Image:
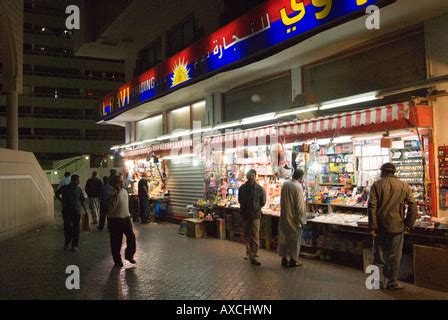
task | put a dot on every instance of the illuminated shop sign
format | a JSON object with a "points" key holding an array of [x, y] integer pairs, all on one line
{"points": [[272, 27]]}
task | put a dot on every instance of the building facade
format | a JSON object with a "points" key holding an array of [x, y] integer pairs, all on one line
{"points": [[307, 56], [57, 107]]}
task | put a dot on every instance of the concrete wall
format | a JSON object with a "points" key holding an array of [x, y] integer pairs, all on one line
{"points": [[26, 196], [437, 52]]}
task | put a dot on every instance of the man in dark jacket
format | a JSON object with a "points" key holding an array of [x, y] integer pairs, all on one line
{"points": [[72, 199], [93, 190], [388, 221], [252, 199]]}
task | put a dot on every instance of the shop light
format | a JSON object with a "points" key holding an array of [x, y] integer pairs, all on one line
{"points": [[200, 130], [343, 139], [260, 118], [111, 157], [115, 148], [227, 125], [295, 111], [55, 173], [348, 101], [323, 142], [181, 156], [180, 110], [87, 157]]}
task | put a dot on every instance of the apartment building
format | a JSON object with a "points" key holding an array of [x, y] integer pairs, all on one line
{"points": [[58, 106]]}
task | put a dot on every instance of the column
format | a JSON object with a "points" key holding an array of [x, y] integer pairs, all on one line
{"points": [[12, 114]]}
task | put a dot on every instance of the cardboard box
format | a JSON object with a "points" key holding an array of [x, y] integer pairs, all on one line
{"points": [[431, 268], [195, 228]]}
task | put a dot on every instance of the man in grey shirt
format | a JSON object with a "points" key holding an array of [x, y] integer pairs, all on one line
{"points": [[72, 198]]}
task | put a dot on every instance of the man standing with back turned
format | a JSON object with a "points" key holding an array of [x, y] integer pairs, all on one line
{"points": [[292, 220], [252, 199], [72, 199], [388, 221], [93, 190]]}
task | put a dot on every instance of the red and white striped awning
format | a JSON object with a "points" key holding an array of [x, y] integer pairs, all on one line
{"points": [[166, 146], [386, 114], [242, 138]]}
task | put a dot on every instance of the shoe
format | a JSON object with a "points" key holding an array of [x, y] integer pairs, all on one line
{"points": [[395, 286], [66, 247], [95, 222], [293, 264], [248, 258], [285, 262], [255, 262], [75, 249], [118, 264], [131, 261]]}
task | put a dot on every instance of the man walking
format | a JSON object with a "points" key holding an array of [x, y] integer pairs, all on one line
{"points": [[105, 190], [388, 221], [72, 198], [252, 199], [93, 190], [292, 220], [119, 221], [143, 198]]}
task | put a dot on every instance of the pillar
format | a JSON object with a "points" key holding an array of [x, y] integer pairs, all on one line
{"points": [[12, 115]]}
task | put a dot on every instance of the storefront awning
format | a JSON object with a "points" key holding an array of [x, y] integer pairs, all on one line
{"points": [[388, 117]]}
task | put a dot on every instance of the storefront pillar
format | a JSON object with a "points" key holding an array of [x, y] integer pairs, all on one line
{"points": [[13, 120]]}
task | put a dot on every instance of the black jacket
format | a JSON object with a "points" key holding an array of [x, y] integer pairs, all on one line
{"points": [[252, 199], [93, 187]]}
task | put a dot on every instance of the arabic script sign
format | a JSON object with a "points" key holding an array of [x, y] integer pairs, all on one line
{"points": [[265, 28]]}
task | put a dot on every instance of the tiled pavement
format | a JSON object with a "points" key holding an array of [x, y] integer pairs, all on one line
{"points": [[171, 266]]}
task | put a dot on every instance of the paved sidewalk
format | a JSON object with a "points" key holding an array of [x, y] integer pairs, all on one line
{"points": [[171, 266]]}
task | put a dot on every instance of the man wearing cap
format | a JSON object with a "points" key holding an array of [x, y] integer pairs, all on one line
{"points": [[388, 221], [252, 199]]}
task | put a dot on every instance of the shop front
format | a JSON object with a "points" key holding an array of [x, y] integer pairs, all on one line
{"points": [[341, 155]]}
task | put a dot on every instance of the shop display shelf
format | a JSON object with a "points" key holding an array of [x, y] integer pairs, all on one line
{"points": [[335, 184]]}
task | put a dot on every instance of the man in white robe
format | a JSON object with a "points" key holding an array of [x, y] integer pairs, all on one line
{"points": [[292, 220]]}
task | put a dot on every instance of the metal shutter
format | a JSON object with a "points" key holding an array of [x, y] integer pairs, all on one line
{"points": [[185, 183]]}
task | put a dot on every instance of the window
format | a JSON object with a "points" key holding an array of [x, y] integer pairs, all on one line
{"points": [[181, 36], [68, 113], [264, 96], [381, 64], [59, 134], [105, 135], [179, 119], [149, 128], [149, 56], [198, 110]]}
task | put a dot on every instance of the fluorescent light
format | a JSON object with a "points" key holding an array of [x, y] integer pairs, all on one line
{"points": [[348, 101], [180, 110], [296, 111], [323, 142], [199, 104], [165, 137], [343, 139], [115, 148], [148, 141], [260, 118], [227, 125], [180, 156], [200, 130]]}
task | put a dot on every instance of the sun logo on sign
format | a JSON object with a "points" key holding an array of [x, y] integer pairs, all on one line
{"points": [[180, 73]]}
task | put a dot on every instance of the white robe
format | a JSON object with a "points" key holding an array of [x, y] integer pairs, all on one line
{"points": [[292, 218]]}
